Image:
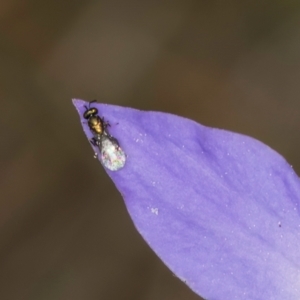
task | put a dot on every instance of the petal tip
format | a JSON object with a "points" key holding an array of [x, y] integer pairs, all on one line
{"points": [[77, 102]]}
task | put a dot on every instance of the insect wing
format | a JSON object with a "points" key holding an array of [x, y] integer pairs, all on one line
{"points": [[111, 154]]}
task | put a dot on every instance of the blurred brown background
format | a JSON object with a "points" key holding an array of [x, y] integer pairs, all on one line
{"points": [[64, 230]]}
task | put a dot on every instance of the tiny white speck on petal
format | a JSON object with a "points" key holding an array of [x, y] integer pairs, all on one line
{"points": [[154, 211]]}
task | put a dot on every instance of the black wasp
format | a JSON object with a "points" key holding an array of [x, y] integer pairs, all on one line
{"points": [[111, 154]]}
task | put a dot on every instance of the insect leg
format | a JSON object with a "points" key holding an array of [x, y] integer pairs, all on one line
{"points": [[94, 142]]}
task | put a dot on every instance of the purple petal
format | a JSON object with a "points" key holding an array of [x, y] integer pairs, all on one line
{"points": [[219, 208]]}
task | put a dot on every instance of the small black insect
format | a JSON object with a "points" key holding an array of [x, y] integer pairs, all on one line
{"points": [[111, 154], [96, 124]]}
